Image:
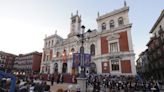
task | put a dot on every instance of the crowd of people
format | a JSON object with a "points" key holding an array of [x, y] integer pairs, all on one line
{"points": [[98, 83], [121, 83]]}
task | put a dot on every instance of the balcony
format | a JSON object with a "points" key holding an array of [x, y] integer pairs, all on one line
{"points": [[120, 54], [162, 38], [159, 53], [156, 43]]}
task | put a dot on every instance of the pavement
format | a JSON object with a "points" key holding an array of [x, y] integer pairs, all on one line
{"points": [[65, 86], [56, 86]]}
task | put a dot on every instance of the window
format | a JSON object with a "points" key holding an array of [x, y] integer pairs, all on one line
{"points": [[57, 54], [72, 50], [115, 65], [111, 24], [49, 43], [103, 26], [52, 42], [73, 20], [114, 47], [92, 49], [120, 21], [46, 44], [162, 37]]}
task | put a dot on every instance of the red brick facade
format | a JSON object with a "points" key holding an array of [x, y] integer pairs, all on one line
{"points": [[126, 66], [36, 62], [123, 40], [104, 45]]}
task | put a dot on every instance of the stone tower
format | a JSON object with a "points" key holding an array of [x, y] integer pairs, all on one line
{"points": [[75, 25]]}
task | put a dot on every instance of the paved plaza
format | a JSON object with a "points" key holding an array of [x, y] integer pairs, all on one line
{"points": [[65, 86]]}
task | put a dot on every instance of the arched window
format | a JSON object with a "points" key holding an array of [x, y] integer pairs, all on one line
{"points": [[46, 44], [92, 50], [81, 49], [49, 43], [120, 21], [103, 26], [111, 24], [52, 42], [72, 50]]}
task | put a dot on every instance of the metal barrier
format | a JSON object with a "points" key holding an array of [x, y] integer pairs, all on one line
{"points": [[6, 80]]}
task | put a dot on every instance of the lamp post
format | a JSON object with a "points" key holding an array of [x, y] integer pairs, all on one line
{"points": [[82, 72], [81, 80]]}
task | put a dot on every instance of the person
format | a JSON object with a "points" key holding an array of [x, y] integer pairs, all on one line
{"points": [[61, 78], [73, 79], [47, 88], [32, 86], [52, 80]]}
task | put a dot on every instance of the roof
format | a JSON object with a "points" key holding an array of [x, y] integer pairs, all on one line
{"points": [[52, 36], [31, 53], [125, 8], [157, 22], [5, 53]]}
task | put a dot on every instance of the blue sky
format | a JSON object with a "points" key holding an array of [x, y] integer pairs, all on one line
{"points": [[24, 23]]}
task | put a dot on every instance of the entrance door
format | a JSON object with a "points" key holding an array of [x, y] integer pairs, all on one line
{"points": [[93, 68], [64, 69], [55, 68]]}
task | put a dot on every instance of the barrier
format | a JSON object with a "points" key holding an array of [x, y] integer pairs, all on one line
{"points": [[7, 82]]}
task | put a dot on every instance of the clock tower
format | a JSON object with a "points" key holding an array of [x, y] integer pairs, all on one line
{"points": [[75, 25]]}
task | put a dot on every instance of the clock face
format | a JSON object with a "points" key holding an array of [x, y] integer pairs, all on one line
{"points": [[73, 20]]}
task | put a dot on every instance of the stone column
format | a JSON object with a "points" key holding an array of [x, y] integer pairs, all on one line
{"points": [[82, 83]]}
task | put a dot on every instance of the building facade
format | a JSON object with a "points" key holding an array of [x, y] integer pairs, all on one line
{"points": [[28, 63], [143, 65], [110, 46], [6, 61], [156, 49]]}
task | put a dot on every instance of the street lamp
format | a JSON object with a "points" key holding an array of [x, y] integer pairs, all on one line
{"points": [[82, 72]]}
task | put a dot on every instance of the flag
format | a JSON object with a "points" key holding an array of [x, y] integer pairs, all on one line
{"points": [[87, 59], [76, 59]]}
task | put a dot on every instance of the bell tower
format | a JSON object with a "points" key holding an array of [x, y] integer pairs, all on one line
{"points": [[75, 25]]}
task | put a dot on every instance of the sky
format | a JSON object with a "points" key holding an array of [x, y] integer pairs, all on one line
{"points": [[24, 23]]}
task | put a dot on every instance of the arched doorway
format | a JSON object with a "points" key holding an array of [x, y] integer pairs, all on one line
{"points": [[93, 68], [55, 68], [64, 69]]}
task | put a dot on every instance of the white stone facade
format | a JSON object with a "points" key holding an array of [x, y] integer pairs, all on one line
{"points": [[110, 44]]}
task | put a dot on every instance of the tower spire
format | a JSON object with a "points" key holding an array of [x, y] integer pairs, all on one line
{"points": [[77, 12], [98, 14], [55, 32], [124, 3]]}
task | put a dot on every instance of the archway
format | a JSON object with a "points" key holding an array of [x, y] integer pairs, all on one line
{"points": [[64, 69], [55, 68], [93, 68]]}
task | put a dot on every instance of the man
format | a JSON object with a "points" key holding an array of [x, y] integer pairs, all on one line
{"points": [[52, 79]]}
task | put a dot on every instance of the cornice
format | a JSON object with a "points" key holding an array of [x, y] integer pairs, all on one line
{"points": [[115, 30], [157, 22], [113, 13]]}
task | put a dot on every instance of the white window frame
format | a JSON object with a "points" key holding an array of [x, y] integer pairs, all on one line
{"points": [[117, 72], [113, 41]]}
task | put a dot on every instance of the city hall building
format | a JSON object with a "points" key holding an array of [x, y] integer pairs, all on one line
{"points": [[110, 46]]}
